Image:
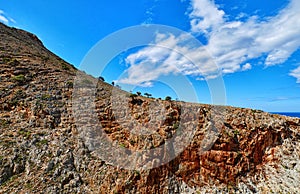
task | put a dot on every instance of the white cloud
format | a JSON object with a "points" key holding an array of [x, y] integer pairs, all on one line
{"points": [[229, 43], [234, 42], [12, 20], [5, 19], [246, 67], [296, 73], [150, 13], [205, 16], [169, 55]]}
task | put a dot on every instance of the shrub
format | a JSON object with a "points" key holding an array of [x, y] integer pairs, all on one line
{"points": [[137, 172], [42, 142], [45, 58], [19, 78], [122, 145], [148, 95], [65, 66], [236, 132], [69, 84], [101, 78], [4, 123], [176, 125], [46, 97], [14, 102], [168, 98], [133, 95], [6, 59], [19, 94], [25, 133], [13, 62]]}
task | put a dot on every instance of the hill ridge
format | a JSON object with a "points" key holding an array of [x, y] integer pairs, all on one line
{"points": [[50, 143]]}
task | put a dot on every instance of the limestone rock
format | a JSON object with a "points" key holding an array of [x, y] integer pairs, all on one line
{"points": [[52, 141]]}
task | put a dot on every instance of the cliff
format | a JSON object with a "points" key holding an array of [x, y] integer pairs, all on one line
{"points": [[55, 138]]}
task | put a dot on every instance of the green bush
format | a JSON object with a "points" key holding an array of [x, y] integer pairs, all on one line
{"points": [[176, 125], [168, 98], [69, 84], [19, 78], [25, 133], [6, 59], [46, 96], [42, 142], [14, 102], [65, 67], [101, 78], [122, 145], [236, 132], [148, 95], [19, 94], [45, 58], [133, 95], [4, 123]]}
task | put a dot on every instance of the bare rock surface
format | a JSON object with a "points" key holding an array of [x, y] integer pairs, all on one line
{"points": [[50, 144]]}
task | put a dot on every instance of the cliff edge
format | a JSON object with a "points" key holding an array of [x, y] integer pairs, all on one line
{"points": [[49, 143]]}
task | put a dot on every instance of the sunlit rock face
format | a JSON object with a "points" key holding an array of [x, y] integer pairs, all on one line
{"points": [[50, 143]]}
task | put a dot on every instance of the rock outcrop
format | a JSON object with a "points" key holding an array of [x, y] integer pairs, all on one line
{"points": [[52, 141]]}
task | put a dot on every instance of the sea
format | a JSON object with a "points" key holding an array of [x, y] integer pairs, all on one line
{"points": [[290, 114]]}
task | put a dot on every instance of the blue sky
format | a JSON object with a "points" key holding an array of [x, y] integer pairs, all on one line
{"points": [[255, 44]]}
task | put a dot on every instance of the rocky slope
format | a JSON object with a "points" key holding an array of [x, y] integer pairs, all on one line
{"points": [[52, 141]]}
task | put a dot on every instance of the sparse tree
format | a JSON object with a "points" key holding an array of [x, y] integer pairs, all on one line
{"points": [[113, 83], [133, 96], [139, 93], [101, 78], [148, 95], [168, 98]]}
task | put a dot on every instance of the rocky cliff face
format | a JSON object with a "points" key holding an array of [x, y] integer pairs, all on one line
{"points": [[50, 143]]}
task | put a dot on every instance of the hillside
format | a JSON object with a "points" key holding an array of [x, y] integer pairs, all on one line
{"points": [[65, 132]]}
